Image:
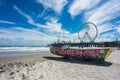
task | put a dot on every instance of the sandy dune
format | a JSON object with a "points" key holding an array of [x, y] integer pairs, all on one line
{"points": [[51, 67]]}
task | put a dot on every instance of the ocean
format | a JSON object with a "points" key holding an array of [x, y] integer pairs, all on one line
{"points": [[21, 51]]}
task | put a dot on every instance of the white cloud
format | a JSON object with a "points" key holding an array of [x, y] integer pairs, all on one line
{"points": [[118, 29], [33, 37], [56, 5], [7, 22], [104, 13], [51, 19], [23, 34], [51, 26], [104, 28], [79, 5], [110, 32], [102, 16], [50, 34], [107, 37], [29, 18], [99, 15]]}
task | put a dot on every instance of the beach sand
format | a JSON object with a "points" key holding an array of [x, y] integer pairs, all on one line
{"points": [[46, 66]]}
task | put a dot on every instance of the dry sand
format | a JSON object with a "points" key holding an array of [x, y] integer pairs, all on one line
{"points": [[51, 67]]}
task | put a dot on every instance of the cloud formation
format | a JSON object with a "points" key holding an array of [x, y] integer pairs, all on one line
{"points": [[7, 22], [56, 5], [19, 34], [102, 17], [80, 5], [44, 26], [52, 26], [108, 11]]}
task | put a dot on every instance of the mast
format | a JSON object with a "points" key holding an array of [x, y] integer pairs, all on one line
{"points": [[63, 35], [58, 38]]}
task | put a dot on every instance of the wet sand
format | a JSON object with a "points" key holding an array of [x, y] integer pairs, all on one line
{"points": [[46, 66]]}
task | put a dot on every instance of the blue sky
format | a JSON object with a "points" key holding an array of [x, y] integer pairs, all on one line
{"points": [[39, 22]]}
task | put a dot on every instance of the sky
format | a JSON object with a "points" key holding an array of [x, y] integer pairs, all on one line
{"points": [[40, 22]]}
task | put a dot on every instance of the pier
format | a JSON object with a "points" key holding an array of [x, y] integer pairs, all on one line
{"points": [[88, 44]]}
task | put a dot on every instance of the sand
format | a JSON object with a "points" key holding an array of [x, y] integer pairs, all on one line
{"points": [[50, 67]]}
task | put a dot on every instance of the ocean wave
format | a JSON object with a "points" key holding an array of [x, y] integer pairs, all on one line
{"points": [[26, 49]]}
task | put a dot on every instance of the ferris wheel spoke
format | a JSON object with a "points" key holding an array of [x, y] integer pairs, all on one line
{"points": [[90, 32]]}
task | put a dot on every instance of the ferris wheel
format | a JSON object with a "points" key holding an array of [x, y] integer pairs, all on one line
{"points": [[87, 32]]}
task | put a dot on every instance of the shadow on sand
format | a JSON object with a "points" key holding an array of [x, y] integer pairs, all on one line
{"points": [[77, 61]]}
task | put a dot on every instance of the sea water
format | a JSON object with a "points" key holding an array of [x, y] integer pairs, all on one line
{"points": [[21, 51]]}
